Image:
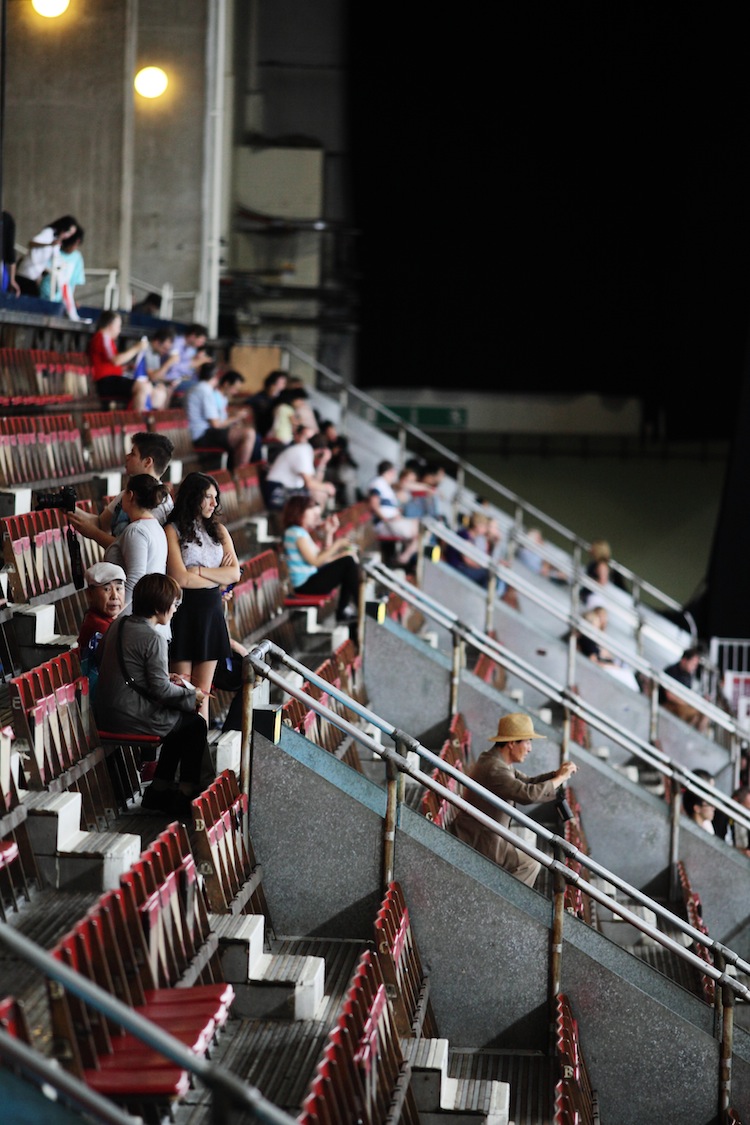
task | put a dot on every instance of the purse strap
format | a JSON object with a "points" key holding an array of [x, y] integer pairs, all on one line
{"points": [[125, 674]]}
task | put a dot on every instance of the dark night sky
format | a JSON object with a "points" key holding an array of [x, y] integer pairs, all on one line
{"points": [[558, 201]]}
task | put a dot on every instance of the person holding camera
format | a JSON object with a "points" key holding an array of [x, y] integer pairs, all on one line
{"points": [[496, 770], [142, 546]]}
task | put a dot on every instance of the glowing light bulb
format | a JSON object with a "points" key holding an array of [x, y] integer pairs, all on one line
{"points": [[50, 8], [151, 82]]}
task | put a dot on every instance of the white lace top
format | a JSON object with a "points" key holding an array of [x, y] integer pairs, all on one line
{"points": [[203, 551]]}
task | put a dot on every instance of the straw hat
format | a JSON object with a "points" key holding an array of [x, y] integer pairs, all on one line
{"points": [[515, 728]]}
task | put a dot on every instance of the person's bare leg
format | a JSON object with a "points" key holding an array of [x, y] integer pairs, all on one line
{"points": [[242, 441], [203, 677]]}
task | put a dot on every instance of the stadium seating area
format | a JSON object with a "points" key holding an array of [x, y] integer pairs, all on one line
{"points": [[314, 932]]}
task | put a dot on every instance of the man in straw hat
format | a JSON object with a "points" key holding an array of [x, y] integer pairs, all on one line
{"points": [[495, 769]]}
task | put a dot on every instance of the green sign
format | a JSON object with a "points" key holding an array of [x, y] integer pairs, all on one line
{"points": [[432, 417]]}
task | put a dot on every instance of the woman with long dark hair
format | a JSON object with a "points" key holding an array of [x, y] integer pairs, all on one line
{"points": [[202, 559]]}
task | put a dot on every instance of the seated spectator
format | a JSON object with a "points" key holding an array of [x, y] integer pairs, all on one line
{"points": [[155, 366], [425, 500], [263, 402], [315, 569], [190, 356], [600, 551], [105, 597], [67, 271], [209, 422], [341, 469], [390, 523], [42, 248], [484, 534], [534, 562], [141, 548], [684, 672], [149, 306], [496, 771], [288, 413], [149, 453], [699, 811], [294, 471], [109, 365], [596, 616], [303, 407], [406, 482], [703, 813], [136, 695], [740, 834]]}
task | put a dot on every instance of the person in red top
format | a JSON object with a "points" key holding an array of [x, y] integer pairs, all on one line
{"points": [[108, 364], [105, 593]]}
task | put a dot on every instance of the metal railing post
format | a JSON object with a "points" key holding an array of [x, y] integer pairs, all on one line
{"points": [[675, 806], [422, 543], [457, 663], [460, 486], [556, 935], [653, 713], [489, 604], [394, 793], [727, 1044], [248, 685]]}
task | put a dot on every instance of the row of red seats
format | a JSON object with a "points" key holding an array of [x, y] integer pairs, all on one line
{"points": [[35, 377], [575, 1101], [139, 943], [455, 752]]}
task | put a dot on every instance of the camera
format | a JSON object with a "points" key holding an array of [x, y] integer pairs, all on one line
{"points": [[564, 810], [65, 498]]}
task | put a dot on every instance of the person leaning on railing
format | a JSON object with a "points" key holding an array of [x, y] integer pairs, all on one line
{"points": [[496, 771]]}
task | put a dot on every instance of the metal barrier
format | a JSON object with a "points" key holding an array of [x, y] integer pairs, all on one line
{"points": [[654, 758], [573, 621], [729, 989], [70, 1090]]}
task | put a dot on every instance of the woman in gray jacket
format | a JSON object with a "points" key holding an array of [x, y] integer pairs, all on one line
{"points": [[137, 695]]}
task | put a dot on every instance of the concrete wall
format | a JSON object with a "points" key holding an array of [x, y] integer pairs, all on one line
{"points": [[483, 936], [64, 130]]}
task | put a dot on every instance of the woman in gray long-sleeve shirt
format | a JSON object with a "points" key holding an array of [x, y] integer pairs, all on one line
{"points": [[136, 695]]}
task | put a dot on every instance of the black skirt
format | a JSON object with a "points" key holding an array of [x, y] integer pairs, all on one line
{"points": [[199, 629]]}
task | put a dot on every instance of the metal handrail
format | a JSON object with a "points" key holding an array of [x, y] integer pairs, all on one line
{"points": [[256, 660], [217, 1078], [73, 1091], [528, 589], [465, 467], [597, 719]]}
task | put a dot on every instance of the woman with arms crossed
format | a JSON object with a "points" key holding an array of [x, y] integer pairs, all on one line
{"points": [[202, 560]]}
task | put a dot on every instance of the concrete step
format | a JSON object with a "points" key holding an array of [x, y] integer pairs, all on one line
{"points": [[53, 820], [282, 986], [471, 1101], [241, 944], [90, 861], [465, 1100]]}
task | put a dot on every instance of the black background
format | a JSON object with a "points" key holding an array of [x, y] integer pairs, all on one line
{"points": [[555, 200]]}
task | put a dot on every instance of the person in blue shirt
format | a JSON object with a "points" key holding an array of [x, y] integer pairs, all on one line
{"points": [[319, 567]]}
